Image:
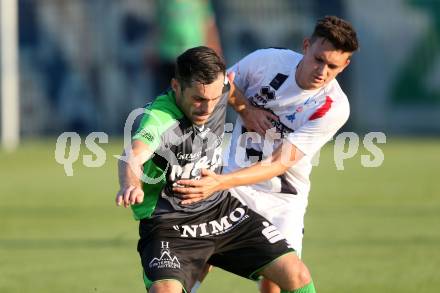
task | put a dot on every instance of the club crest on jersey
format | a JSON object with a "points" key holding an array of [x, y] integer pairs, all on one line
{"points": [[309, 103], [299, 109], [166, 260], [291, 117]]}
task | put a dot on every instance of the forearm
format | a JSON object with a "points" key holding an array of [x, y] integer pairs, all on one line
{"points": [[129, 175], [237, 100], [256, 173], [130, 167], [284, 157]]}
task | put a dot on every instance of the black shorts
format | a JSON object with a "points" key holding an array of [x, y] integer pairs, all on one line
{"points": [[229, 236]]}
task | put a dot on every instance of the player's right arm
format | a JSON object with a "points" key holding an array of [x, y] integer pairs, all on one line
{"points": [[145, 142], [130, 169]]}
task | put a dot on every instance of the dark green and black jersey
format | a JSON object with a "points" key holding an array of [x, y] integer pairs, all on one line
{"points": [[181, 150]]}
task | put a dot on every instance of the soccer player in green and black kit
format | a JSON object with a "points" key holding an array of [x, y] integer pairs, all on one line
{"points": [[181, 133]]}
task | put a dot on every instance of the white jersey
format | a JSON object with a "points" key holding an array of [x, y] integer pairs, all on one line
{"points": [[307, 118]]}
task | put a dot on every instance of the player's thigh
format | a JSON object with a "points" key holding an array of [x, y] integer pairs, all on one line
{"points": [[166, 256], [248, 248], [288, 272], [283, 211]]}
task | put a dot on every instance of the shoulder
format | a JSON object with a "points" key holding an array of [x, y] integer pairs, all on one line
{"points": [[161, 114], [164, 108], [275, 54], [159, 117], [267, 61]]}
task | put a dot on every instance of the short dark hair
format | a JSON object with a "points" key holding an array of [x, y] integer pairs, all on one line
{"points": [[200, 64], [339, 32]]}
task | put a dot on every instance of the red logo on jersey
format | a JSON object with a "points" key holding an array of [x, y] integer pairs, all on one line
{"points": [[321, 111]]}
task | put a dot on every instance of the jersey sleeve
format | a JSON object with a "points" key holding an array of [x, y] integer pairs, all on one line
{"points": [[321, 126], [153, 124]]}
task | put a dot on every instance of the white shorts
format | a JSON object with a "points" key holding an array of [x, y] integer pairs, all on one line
{"points": [[285, 211]]}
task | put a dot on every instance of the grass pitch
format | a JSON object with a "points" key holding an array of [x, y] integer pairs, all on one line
{"points": [[367, 229]]}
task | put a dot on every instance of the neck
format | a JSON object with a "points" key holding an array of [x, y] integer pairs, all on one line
{"points": [[298, 75]]}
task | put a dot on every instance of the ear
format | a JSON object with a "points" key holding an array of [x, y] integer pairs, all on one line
{"points": [[306, 45], [175, 85], [346, 63]]}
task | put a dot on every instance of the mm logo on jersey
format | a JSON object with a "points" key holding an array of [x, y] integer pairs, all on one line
{"points": [[214, 227], [271, 233], [265, 95]]}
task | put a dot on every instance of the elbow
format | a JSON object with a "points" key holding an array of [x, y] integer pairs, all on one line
{"points": [[276, 168], [282, 168]]}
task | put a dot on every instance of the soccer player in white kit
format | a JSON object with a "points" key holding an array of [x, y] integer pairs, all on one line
{"points": [[295, 105]]}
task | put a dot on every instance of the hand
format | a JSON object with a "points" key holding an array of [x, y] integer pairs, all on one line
{"points": [[129, 195], [197, 190], [258, 120]]}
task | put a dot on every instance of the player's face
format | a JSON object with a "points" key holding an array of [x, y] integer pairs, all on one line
{"points": [[198, 101], [321, 64]]}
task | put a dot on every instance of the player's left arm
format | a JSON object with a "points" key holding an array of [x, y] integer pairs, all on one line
{"points": [[236, 98], [254, 119]]}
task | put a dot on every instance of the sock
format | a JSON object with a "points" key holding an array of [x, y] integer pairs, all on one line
{"points": [[309, 288], [195, 287]]}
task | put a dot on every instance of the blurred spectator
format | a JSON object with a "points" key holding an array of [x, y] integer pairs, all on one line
{"points": [[182, 24], [418, 82], [77, 109], [110, 43]]}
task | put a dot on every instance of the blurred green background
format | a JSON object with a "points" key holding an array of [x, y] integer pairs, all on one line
{"points": [[367, 229]]}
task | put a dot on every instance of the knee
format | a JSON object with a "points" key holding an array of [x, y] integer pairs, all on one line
{"points": [[300, 277], [166, 286], [289, 273], [303, 276]]}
